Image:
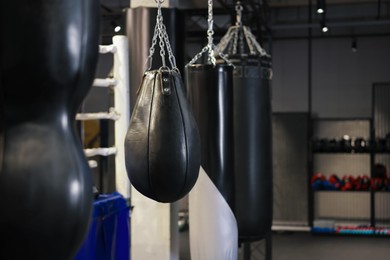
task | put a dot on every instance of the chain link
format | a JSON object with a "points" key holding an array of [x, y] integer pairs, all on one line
{"points": [[233, 41], [239, 9], [171, 57], [239, 40], [210, 33], [254, 43], [161, 37], [225, 58], [225, 41], [210, 48], [160, 32]]}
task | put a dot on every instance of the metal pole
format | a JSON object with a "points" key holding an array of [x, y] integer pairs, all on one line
{"points": [[247, 251], [122, 106], [268, 246], [310, 159]]}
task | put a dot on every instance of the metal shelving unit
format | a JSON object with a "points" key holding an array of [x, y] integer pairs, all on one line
{"points": [[331, 208], [347, 211]]}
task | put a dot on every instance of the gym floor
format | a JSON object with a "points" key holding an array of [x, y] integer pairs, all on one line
{"points": [[305, 246]]}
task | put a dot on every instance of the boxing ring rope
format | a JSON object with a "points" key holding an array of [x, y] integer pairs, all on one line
{"points": [[108, 82], [111, 115], [120, 113]]}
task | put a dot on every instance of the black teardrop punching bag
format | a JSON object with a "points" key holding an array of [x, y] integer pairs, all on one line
{"points": [[252, 146], [162, 146], [48, 53], [210, 93]]}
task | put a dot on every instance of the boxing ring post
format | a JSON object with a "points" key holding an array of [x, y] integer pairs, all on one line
{"points": [[116, 240], [122, 105], [120, 113]]}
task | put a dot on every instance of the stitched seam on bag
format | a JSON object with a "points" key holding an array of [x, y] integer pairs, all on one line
{"points": [[2, 126], [184, 130], [156, 74]]}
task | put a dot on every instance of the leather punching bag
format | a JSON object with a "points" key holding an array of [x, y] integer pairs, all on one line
{"points": [[210, 93], [162, 146], [213, 227], [48, 53], [252, 146]]}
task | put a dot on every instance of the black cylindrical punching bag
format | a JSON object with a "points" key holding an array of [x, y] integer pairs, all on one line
{"points": [[210, 93], [47, 67], [252, 146]]}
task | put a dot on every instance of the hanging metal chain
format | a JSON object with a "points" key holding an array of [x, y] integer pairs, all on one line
{"points": [[238, 40], [253, 44], [239, 9], [210, 48], [160, 32], [233, 41], [171, 57], [210, 33], [226, 40], [149, 60]]}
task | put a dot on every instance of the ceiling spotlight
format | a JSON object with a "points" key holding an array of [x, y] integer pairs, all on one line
{"points": [[117, 28], [323, 26], [354, 45], [320, 6]]}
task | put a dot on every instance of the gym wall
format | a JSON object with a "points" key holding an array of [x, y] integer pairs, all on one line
{"points": [[341, 79], [290, 169]]}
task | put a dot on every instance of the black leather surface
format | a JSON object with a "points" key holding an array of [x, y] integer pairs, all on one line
{"points": [[253, 147], [48, 55], [210, 93], [233, 113], [162, 146]]}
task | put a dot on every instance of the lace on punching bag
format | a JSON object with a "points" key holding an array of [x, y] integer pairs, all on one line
{"points": [[162, 146], [252, 130]]}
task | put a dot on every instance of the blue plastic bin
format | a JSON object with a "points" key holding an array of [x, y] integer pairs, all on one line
{"points": [[108, 237]]}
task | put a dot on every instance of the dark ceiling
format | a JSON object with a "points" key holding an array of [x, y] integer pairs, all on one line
{"points": [[279, 18]]}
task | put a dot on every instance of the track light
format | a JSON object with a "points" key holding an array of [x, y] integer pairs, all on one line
{"points": [[354, 45], [320, 6], [324, 28], [115, 25]]}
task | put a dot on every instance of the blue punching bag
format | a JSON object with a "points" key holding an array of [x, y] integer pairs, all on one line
{"points": [[47, 67]]}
